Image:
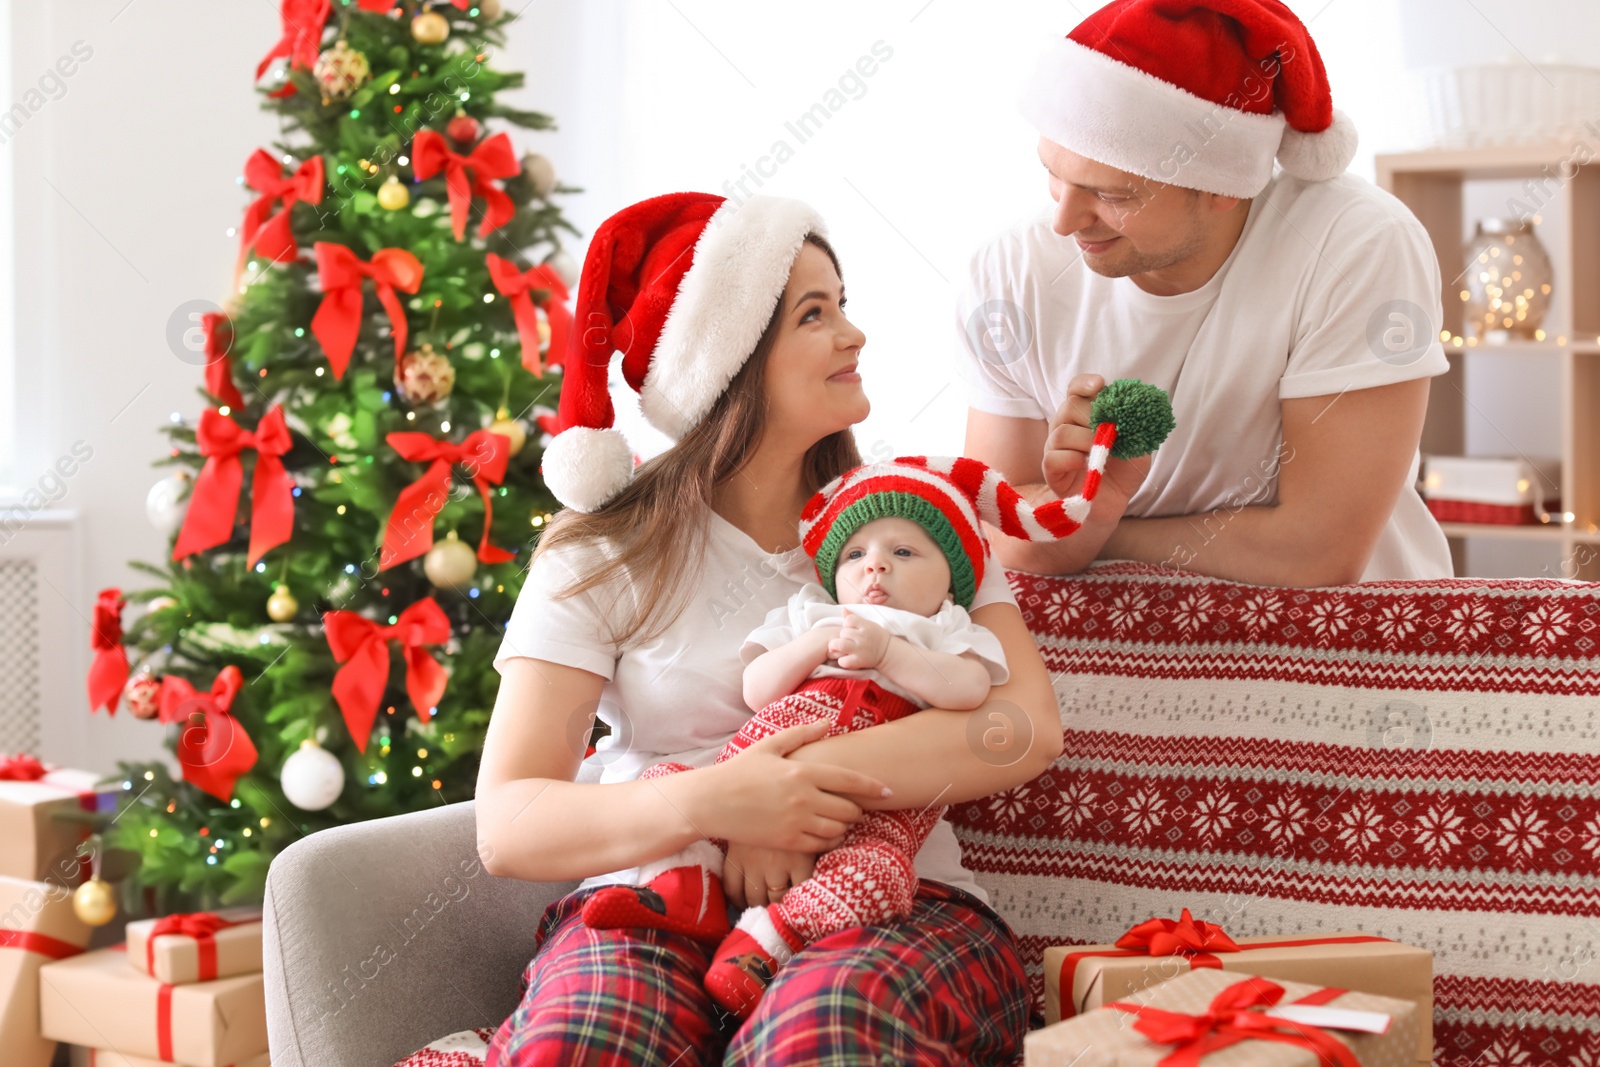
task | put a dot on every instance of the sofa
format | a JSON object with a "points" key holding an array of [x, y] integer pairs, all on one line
{"points": [[1417, 760]]}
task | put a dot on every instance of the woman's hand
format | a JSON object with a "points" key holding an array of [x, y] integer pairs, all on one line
{"points": [[1066, 454], [753, 876], [760, 798], [860, 645]]}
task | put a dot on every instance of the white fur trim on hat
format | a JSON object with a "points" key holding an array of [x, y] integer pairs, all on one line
{"points": [[741, 264], [1121, 116], [1316, 157], [584, 467]]}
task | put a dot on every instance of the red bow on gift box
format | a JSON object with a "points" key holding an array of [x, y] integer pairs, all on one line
{"points": [[1230, 1018], [493, 158], [218, 330], [21, 768], [109, 671], [382, 6], [303, 21], [266, 231], [359, 685], [410, 529], [214, 503], [1182, 936], [337, 322], [214, 752], [516, 285], [200, 925]]}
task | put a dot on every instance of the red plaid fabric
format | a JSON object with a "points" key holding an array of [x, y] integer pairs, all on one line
{"points": [[945, 986], [1417, 760]]}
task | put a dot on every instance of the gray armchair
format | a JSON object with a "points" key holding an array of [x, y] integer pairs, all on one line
{"points": [[382, 936]]}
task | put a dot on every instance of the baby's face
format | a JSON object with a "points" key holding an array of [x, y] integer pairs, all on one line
{"points": [[894, 562]]}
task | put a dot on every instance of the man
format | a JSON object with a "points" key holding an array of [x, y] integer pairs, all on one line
{"points": [[1293, 317]]}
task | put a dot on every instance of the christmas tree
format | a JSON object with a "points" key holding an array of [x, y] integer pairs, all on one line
{"points": [[354, 508]]}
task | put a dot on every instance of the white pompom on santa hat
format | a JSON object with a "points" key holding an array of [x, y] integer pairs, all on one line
{"points": [[683, 285], [1202, 94]]}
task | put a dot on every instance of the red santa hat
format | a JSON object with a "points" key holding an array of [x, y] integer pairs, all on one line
{"points": [[683, 285], [1202, 94]]}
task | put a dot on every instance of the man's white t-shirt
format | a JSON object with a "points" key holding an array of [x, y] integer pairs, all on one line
{"points": [[1332, 286], [680, 697]]}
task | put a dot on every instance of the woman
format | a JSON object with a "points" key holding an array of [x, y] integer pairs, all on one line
{"points": [[730, 320]]}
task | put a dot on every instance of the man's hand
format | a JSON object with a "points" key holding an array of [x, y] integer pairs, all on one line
{"points": [[1066, 453], [861, 644]]}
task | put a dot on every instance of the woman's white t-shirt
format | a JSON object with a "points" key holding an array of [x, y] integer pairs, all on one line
{"points": [[680, 697], [1332, 286]]}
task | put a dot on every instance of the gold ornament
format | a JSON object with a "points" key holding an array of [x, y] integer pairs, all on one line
{"points": [[450, 564], [94, 902], [393, 196], [430, 27], [510, 429], [281, 605], [340, 71], [490, 9], [425, 376]]}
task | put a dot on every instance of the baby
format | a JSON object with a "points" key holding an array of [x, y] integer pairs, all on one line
{"points": [[900, 553]]}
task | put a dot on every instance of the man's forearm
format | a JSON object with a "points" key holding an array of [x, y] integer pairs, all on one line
{"points": [[1255, 543]]}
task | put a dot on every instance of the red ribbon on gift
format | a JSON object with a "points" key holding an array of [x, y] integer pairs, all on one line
{"points": [[1231, 1018], [109, 671], [493, 158], [516, 286], [1190, 938], [43, 944], [303, 21], [215, 752], [202, 926], [410, 529], [382, 7], [337, 322], [214, 502], [268, 231], [363, 647], [218, 330], [21, 768]]}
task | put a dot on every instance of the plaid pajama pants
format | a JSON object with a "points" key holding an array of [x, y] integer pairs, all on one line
{"points": [[942, 987]]}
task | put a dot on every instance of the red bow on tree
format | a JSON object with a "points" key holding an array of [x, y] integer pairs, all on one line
{"points": [[303, 21], [410, 530], [363, 647], [266, 231], [516, 285], [214, 502], [21, 768], [1230, 1019], [337, 322], [213, 751], [1177, 937], [109, 671], [218, 329], [200, 925], [493, 158]]}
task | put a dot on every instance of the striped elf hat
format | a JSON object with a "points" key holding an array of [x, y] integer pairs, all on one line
{"points": [[948, 496]]}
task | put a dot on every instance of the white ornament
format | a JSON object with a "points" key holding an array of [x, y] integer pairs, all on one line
{"points": [[168, 501], [450, 563], [541, 172], [313, 777], [565, 266]]}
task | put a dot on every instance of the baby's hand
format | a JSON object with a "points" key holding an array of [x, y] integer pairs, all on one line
{"points": [[862, 644]]}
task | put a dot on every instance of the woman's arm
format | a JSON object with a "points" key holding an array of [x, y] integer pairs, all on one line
{"points": [[938, 756], [536, 823]]}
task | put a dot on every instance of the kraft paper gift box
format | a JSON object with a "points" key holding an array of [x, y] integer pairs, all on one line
{"points": [[36, 843], [1079, 978], [37, 925], [105, 1057], [1107, 1035], [97, 1000], [197, 947]]}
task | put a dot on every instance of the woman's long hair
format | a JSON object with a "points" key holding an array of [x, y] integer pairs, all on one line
{"points": [[656, 527]]}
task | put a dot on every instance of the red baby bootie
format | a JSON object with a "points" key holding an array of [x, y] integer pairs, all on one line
{"points": [[748, 959], [685, 899]]}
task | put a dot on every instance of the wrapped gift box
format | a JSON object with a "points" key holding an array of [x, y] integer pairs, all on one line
{"points": [[1502, 492], [1080, 978], [98, 1000], [198, 947], [1108, 1035], [37, 925], [35, 843], [104, 1057]]}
